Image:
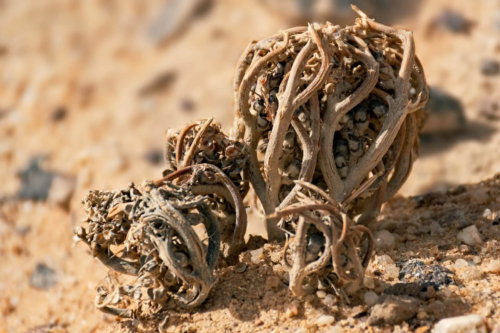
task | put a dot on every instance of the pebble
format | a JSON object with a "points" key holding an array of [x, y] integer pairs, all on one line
{"points": [[470, 236], [463, 324], [460, 263], [371, 298], [257, 253], [471, 274], [302, 330], [392, 271], [452, 21], [272, 282], [325, 320], [434, 227], [292, 310], [154, 156], [494, 266], [330, 300], [446, 113], [384, 240], [426, 275], [255, 260], [35, 182], [368, 282], [408, 289], [393, 310], [43, 277], [321, 294], [385, 259], [455, 218], [240, 267], [486, 213], [490, 67], [477, 260]]}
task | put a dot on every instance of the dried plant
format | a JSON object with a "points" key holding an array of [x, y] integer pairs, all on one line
{"points": [[335, 107], [326, 245], [148, 232]]}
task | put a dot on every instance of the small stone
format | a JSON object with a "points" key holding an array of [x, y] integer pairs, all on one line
{"points": [[470, 236], [286, 277], [393, 310], [434, 226], [43, 277], [422, 315], [302, 330], [463, 324], [154, 156], [257, 253], [426, 275], [255, 260], [325, 320], [371, 298], [292, 310], [494, 267], [460, 263], [272, 282], [240, 267], [447, 293], [452, 21], [476, 260], [489, 108], [385, 259], [431, 292], [486, 213], [408, 289], [321, 294], [471, 274], [330, 300], [455, 218], [384, 240], [392, 271], [490, 67], [368, 282]]}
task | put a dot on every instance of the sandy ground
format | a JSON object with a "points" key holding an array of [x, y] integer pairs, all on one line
{"points": [[94, 61]]}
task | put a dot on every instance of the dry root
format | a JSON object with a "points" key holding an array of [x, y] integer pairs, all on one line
{"points": [[335, 107]]}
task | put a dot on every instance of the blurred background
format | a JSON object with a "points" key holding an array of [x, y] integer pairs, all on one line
{"points": [[89, 88]]}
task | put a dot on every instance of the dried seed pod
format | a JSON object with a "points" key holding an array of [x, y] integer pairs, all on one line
{"points": [[350, 97], [159, 246], [327, 245]]}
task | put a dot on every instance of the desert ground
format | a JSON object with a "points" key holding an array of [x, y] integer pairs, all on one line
{"points": [[91, 87]]}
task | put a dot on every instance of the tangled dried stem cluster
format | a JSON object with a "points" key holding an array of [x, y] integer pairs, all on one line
{"points": [[326, 130], [335, 107]]}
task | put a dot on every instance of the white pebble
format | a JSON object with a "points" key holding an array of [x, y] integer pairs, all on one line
{"points": [[257, 253], [371, 298], [385, 259], [494, 266], [384, 240], [477, 260], [321, 294], [471, 323], [460, 263], [330, 300], [255, 260], [392, 271], [325, 320], [470, 236], [487, 212], [471, 274]]}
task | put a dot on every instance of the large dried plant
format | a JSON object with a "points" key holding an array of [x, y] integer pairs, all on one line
{"points": [[334, 106]]}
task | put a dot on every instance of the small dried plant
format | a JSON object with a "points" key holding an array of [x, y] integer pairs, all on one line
{"points": [[162, 234], [337, 107]]}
